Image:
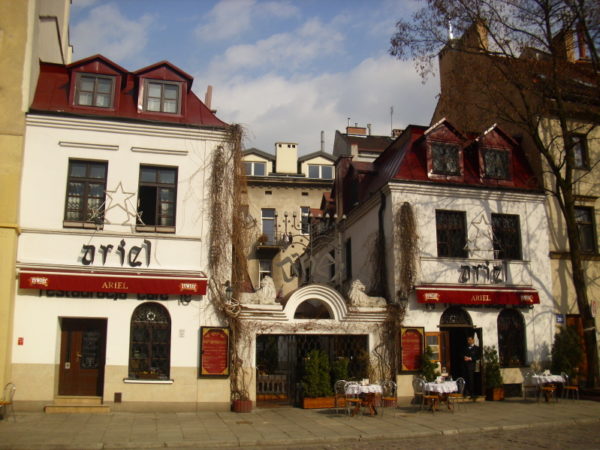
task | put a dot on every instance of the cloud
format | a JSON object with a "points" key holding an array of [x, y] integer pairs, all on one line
{"points": [[83, 3], [275, 108], [105, 30], [231, 18], [283, 51]]}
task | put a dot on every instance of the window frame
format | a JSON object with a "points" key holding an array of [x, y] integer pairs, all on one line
{"points": [[589, 227], [87, 180], [510, 336], [435, 174], [272, 239], [580, 146], [507, 154], [305, 220], [497, 233], [320, 170], [463, 253], [96, 76], [162, 83], [262, 272], [156, 226], [149, 345], [250, 168]]}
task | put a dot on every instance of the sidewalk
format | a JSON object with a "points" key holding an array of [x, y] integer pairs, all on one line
{"points": [[280, 426]]}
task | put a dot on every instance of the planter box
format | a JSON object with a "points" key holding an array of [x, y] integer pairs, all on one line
{"points": [[241, 406], [494, 394], [318, 402]]}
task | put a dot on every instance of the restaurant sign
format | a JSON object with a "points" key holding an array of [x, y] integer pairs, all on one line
{"points": [[214, 351], [473, 296]]}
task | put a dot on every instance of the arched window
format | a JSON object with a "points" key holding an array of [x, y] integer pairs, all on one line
{"points": [[455, 315], [313, 309], [150, 342], [511, 338]]}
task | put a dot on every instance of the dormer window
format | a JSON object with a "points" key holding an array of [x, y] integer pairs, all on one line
{"points": [[445, 159], [94, 90], [496, 164], [162, 96], [320, 171]]}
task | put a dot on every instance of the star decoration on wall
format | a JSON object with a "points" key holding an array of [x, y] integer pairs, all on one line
{"points": [[119, 199], [483, 236]]}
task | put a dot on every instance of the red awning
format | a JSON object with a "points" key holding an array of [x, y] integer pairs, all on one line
{"points": [[476, 295], [122, 282]]}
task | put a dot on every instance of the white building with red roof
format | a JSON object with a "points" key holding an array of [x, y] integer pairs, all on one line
{"points": [[112, 298]]}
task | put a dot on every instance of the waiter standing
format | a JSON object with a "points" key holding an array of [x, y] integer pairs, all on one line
{"points": [[472, 354]]}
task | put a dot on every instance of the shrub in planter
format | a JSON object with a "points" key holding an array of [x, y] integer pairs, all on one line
{"points": [[493, 377], [339, 369], [566, 352], [316, 382]]}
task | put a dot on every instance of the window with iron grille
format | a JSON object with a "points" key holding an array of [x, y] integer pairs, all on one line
{"points": [[150, 342], [507, 236], [162, 96], [86, 192], [584, 216], [157, 198], [451, 231], [94, 90], [445, 159], [511, 338], [496, 164]]}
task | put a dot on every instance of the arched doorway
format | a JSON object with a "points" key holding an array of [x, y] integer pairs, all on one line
{"points": [[455, 326]]}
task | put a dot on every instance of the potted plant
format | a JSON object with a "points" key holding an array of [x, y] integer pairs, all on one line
{"points": [[428, 367], [493, 377], [241, 403], [316, 382], [262, 239], [566, 352]]}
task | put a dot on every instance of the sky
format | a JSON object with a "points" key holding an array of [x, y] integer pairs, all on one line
{"points": [[284, 69]]}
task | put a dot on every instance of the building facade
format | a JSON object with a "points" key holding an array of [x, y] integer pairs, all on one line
{"points": [[451, 230], [113, 266], [32, 31]]}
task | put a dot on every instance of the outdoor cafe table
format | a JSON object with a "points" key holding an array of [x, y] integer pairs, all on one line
{"points": [[542, 380], [367, 392], [442, 389]]}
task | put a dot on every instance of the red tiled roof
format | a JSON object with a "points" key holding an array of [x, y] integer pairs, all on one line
{"points": [[56, 82]]}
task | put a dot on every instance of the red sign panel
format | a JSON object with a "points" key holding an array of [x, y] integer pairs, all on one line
{"points": [[412, 343], [214, 357], [474, 296], [111, 282]]}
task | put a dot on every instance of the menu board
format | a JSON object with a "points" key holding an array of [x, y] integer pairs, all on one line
{"points": [[214, 351], [412, 346]]}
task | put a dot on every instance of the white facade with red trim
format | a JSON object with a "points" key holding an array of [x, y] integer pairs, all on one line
{"points": [[104, 271]]}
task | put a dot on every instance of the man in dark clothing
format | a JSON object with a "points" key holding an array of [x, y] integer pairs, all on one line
{"points": [[472, 354]]}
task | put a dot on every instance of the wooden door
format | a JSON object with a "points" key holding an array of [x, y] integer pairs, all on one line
{"points": [[82, 356]]}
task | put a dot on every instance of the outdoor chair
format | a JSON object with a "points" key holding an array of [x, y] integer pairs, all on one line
{"points": [[529, 386], [388, 396], [353, 400], [340, 395], [569, 389], [419, 388], [6, 404], [549, 392], [456, 398]]}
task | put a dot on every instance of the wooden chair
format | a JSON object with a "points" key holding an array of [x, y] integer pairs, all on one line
{"points": [[353, 400], [6, 404], [569, 389], [456, 398], [340, 394], [548, 391]]}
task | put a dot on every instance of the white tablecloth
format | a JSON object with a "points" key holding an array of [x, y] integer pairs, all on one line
{"points": [[354, 389], [542, 379], [441, 388]]}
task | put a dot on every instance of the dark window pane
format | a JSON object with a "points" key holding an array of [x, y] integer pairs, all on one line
{"points": [[511, 338], [157, 196], [150, 344], [259, 169], [248, 168], [166, 176], [445, 159], [86, 189], [580, 151], [313, 171], [148, 174], [327, 172], [496, 164], [451, 233], [506, 232], [77, 169], [585, 225]]}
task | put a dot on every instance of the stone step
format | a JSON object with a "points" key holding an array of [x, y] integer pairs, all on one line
{"points": [[77, 400]]}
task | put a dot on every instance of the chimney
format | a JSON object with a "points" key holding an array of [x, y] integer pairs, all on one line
{"points": [[208, 96], [322, 140], [369, 129], [356, 131], [396, 132], [286, 157]]}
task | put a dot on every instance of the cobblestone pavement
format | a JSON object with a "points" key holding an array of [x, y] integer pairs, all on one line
{"points": [[557, 437]]}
